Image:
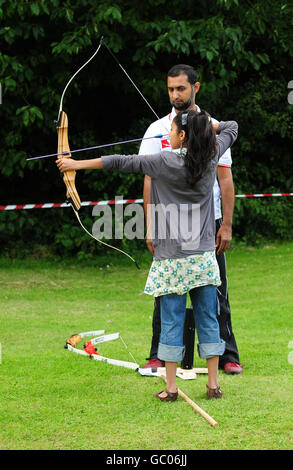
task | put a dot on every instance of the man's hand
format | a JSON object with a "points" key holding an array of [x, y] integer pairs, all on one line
{"points": [[150, 245], [224, 235], [223, 238], [66, 164], [146, 205], [216, 127]]}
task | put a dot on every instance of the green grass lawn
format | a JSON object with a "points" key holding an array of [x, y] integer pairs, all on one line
{"points": [[54, 399]]}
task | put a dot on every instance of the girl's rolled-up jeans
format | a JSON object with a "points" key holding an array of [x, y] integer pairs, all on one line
{"points": [[173, 309]]}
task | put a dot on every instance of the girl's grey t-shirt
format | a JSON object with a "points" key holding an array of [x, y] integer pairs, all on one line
{"points": [[182, 215]]}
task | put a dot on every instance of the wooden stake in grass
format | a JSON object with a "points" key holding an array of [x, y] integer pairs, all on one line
{"points": [[196, 408]]}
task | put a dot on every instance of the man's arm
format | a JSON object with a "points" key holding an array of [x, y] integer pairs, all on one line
{"points": [[149, 146], [146, 202], [224, 235]]}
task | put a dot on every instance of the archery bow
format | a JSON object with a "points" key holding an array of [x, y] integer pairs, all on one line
{"points": [[63, 144], [90, 351], [64, 152]]}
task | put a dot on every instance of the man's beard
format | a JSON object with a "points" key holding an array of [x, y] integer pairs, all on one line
{"points": [[185, 105]]}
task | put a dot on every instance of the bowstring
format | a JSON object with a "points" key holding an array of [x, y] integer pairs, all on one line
{"points": [[130, 79], [124, 344], [132, 82], [103, 243]]}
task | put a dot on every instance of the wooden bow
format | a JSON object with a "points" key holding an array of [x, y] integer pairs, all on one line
{"points": [[63, 143], [64, 152], [68, 176]]}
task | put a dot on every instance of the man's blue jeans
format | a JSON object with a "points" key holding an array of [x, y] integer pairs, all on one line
{"points": [[173, 309]]}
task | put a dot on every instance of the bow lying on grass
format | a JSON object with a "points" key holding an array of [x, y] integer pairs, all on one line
{"points": [[90, 351]]}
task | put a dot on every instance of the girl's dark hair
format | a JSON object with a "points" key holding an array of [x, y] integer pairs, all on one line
{"points": [[200, 140]]}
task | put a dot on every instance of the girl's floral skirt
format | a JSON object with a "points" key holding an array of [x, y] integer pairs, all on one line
{"points": [[178, 276]]}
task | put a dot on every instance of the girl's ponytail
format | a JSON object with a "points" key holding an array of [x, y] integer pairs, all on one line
{"points": [[200, 142]]}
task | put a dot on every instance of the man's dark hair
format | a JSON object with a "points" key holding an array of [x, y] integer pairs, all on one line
{"points": [[191, 73]]}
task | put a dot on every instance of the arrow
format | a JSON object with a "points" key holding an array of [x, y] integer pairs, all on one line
{"points": [[158, 136]]}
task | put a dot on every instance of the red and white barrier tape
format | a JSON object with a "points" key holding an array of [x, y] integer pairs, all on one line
{"points": [[264, 195], [50, 205]]}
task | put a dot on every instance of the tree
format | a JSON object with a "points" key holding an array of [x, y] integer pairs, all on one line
{"points": [[242, 51]]}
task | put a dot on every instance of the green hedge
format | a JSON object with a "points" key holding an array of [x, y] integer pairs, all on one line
{"points": [[242, 51]]}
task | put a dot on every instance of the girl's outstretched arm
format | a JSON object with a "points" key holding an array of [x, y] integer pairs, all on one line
{"points": [[146, 164], [67, 164]]}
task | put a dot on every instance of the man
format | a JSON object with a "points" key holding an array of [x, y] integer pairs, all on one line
{"points": [[183, 85]]}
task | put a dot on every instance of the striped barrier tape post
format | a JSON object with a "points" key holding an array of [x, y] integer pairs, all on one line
{"points": [[52, 205]]}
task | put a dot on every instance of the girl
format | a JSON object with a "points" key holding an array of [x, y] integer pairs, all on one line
{"points": [[184, 242]]}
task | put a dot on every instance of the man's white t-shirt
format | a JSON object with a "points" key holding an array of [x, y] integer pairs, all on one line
{"points": [[156, 145]]}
